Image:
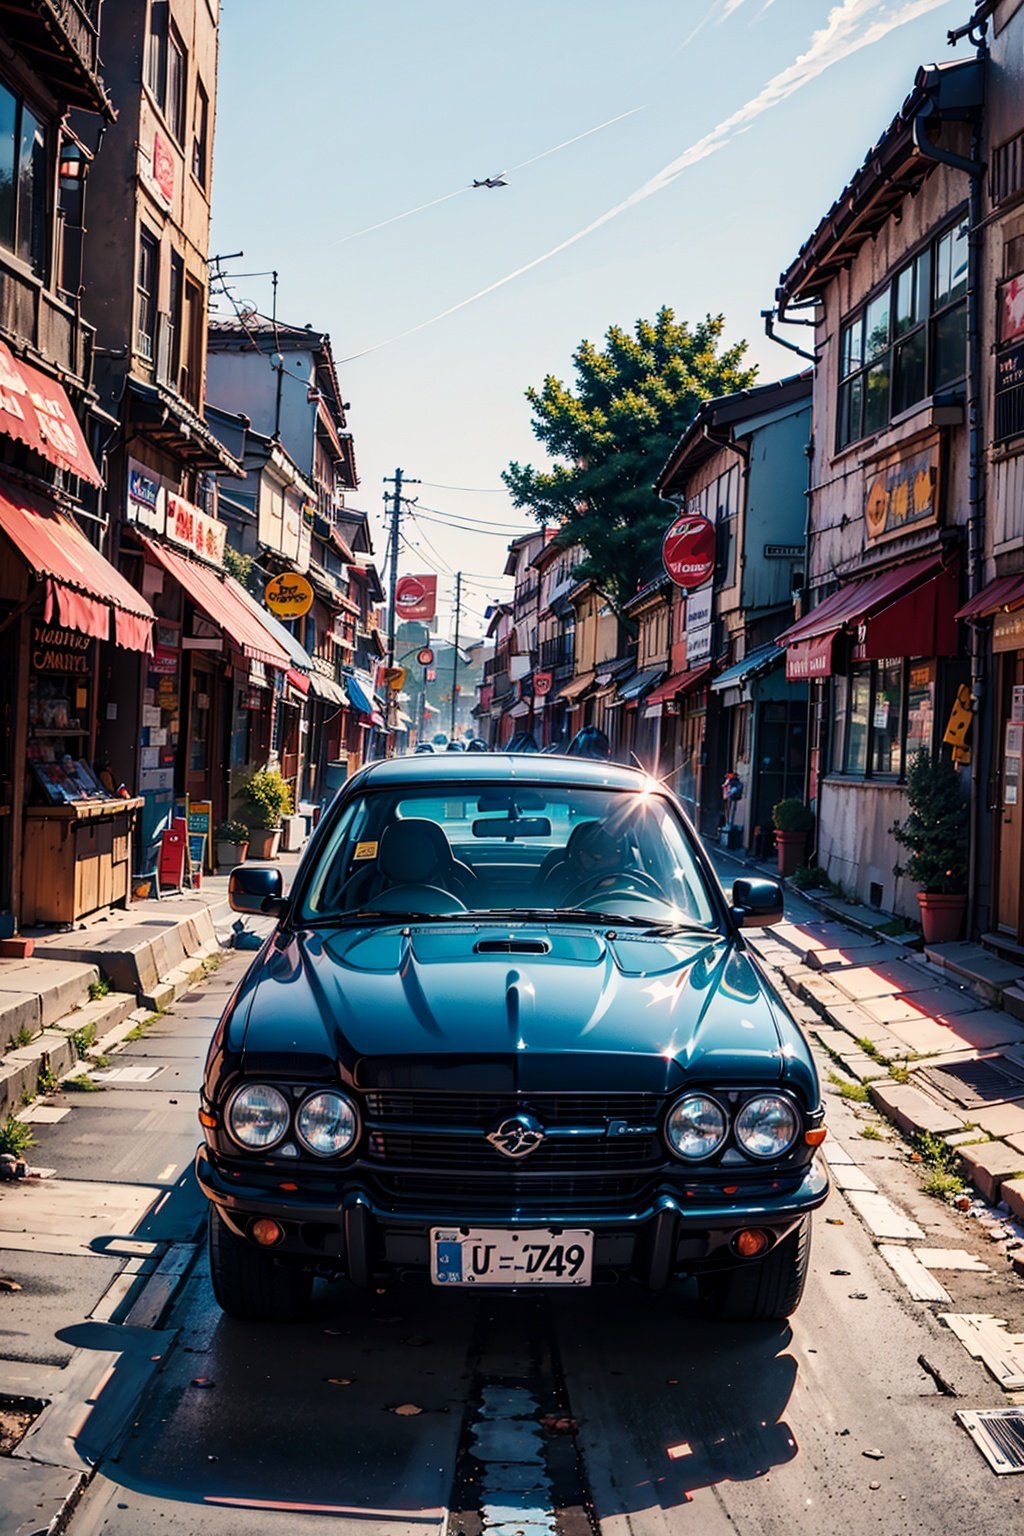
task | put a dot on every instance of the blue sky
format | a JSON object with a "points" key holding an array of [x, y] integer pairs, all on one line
{"points": [[335, 115]]}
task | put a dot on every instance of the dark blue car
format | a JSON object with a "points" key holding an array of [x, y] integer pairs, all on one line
{"points": [[508, 1033]]}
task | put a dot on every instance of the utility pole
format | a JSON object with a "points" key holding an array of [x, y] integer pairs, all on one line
{"points": [[455, 649], [398, 480]]}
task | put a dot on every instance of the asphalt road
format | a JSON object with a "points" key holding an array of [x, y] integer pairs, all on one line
{"points": [[607, 1409]]}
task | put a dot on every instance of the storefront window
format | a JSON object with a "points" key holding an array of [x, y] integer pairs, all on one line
{"points": [[887, 717], [881, 715], [858, 716]]}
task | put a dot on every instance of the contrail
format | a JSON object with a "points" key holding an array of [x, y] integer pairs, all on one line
{"points": [[831, 44], [421, 207]]}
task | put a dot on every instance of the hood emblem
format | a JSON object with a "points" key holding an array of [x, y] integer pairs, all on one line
{"points": [[517, 1136]]}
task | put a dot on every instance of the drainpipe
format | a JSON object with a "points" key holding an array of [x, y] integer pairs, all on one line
{"points": [[974, 168]]}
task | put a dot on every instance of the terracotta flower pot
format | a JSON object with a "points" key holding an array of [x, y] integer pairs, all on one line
{"points": [[790, 847], [942, 916], [264, 842], [230, 854]]}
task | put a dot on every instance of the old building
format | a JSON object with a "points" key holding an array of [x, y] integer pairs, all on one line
{"points": [[66, 614]]}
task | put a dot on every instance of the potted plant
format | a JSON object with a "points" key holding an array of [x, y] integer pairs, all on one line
{"points": [[793, 822], [935, 832], [232, 843], [268, 798]]}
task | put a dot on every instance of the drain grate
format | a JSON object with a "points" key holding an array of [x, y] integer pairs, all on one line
{"points": [[990, 1080], [999, 1435]]}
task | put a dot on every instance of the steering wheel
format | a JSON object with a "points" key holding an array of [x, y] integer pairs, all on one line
{"points": [[622, 880]]}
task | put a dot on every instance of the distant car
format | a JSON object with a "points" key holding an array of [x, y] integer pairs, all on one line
{"points": [[423, 746], [477, 744], [508, 1033], [455, 745], [522, 741]]}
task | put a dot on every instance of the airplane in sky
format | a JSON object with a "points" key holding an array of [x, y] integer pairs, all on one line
{"points": [[493, 181]]}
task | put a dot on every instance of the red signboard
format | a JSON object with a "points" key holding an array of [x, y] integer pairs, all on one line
{"points": [[541, 684], [425, 657], [163, 167], [1011, 310], [416, 597], [688, 551]]}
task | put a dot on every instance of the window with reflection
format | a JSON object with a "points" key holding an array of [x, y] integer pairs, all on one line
{"points": [[882, 713], [25, 200]]}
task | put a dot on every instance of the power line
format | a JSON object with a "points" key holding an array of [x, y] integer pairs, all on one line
{"points": [[475, 490]]}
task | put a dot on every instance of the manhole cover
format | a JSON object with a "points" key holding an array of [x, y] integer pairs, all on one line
{"points": [[991, 1080], [999, 1435]]}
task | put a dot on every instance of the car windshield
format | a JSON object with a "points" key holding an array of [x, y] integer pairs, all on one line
{"points": [[551, 850]]}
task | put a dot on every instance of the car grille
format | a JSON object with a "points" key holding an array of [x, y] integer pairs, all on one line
{"points": [[432, 1148]]}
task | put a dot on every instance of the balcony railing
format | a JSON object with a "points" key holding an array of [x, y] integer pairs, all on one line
{"points": [[556, 653], [60, 40], [39, 318]]}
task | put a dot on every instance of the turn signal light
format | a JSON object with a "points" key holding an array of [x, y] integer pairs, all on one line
{"points": [[816, 1137], [265, 1232], [750, 1242], [205, 1118]]}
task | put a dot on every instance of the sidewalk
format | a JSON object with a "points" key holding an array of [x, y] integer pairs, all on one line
{"points": [[83, 989], [921, 1030]]}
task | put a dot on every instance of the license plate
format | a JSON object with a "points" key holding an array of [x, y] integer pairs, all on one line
{"points": [[491, 1256]]}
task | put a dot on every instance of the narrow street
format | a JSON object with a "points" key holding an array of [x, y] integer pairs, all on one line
{"points": [[609, 1406]]}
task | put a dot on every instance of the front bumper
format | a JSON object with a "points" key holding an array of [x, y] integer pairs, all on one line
{"points": [[356, 1236]]}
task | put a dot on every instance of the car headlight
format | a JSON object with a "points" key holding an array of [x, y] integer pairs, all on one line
{"points": [[257, 1116], [696, 1127], [327, 1124], [767, 1126]]}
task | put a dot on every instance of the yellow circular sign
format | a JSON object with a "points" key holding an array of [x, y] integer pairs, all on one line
{"points": [[288, 596]]}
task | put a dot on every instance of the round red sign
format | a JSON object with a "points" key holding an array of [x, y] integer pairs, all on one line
{"points": [[425, 657], [688, 551]]}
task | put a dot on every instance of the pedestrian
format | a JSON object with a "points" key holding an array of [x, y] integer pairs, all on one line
{"points": [[732, 793]]}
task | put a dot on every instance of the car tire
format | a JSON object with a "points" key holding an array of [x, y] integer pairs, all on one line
{"points": [[252, 1286], [767, 1289]]}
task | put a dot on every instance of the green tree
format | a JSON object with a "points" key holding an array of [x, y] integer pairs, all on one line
{"points": [[611, 435]]}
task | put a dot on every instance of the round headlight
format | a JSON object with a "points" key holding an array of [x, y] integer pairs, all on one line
{"points": [[767, 1126], [327, 1124], [696, 1127], [258, 1116]]}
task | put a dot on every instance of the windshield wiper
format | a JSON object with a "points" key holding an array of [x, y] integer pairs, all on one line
{"points": [[364, 914], [586, 915]]}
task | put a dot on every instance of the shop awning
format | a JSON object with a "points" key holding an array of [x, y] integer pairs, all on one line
{"points": [[678, 682], [82, 588], [576, 686], [519, 711], [908, 610], [224, 603], [359, 688], [35, 409], [1003, 595], [753, 665], [327, 689], [641, 683]]}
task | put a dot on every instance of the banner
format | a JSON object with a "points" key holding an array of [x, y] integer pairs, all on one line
{"points": [[416, 597]]}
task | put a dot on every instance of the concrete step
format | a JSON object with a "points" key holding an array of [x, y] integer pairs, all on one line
{"points": [[985, 974], [1013, 1000], [35, 993], [59, 1049], [135, 958]]}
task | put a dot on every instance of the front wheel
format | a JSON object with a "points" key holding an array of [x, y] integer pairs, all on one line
{"points": [[249, 1284], [764, 1289]]}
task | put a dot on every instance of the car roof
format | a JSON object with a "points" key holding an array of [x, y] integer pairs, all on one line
{"points": [[500, 767]]}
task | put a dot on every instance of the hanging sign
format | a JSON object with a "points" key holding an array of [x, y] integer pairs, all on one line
{"points": [[416, 597], [688, 551], [394, 677], [195, 530], [541, 684], [288, 596], [425, 657]]}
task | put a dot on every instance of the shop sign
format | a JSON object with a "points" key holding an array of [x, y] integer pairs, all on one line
{"points": [[416, 597], [425, 657], [698, 644], [1008, 631], [902, 492], [541, 684], [59, 650], [196, 531], [1009, 370], [163, 662], [163, 167], [1011, 310], [145, 499], [288, 596], [395, 679], [688, 551]]}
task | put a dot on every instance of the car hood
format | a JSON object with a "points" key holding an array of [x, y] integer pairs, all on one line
{"points": [[514, 1008]]}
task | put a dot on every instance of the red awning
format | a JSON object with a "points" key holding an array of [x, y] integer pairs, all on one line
{"points": [[36, 410], [910, 604], [82, 588], [222, 604], [678, 682], [297, 680], [1005, 593]]}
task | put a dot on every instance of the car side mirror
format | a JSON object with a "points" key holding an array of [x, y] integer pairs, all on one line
{"points": [[756, 903], [257, 891]]}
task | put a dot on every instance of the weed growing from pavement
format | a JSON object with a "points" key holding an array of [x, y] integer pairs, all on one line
{"points": [[899, 1072], [870, 1049], [856, 1093], [83, 1083], [47, 1080], [98, 989], [212, 963], [138, 1030], [24, 1035], [83, 1038], [943, 1178], [871, 1133], [16, 1137]]}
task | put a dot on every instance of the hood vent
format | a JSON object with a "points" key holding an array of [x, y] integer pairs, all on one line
{"points": [[512, 947]]}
